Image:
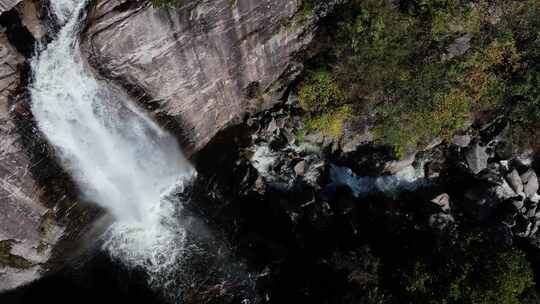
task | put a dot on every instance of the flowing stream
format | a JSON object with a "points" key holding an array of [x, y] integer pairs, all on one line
{"points": [[120, 159]]}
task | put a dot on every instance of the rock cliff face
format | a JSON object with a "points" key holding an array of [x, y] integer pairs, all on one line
{"points": [[6, 5], [40, 218], [27, 232], [204, 64]]}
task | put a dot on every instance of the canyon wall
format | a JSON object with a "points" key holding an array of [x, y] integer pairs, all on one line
{"points": [[203, 65], [27, 228]]}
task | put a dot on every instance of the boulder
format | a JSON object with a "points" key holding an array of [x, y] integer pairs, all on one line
{"points": [[504, 191], [443, 201], [530, 183], [29, 12], [460, 46], [523, 227], [315, 173], [393, 167], [440, 220], [515, 182], [524, 159], [531, 212], [518, 203], [461, 140], [300, 168], [351, 143], [535, 198], [534, 229], [477, 158]]}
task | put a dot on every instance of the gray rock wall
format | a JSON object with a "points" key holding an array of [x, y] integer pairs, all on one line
{"points": [[28, 231], [6, 5], [204, 64], [41, 220]]}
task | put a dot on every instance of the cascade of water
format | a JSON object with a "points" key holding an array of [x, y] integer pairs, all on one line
{"points": [[119, 157], [62, 9]]}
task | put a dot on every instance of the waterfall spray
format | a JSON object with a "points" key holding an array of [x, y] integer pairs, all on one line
{"points": [[120, 159]]}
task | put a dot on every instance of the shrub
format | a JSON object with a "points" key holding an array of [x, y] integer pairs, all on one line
{"points": [[502, 279], [330, 123], [322, 100], [473, 271], [7, 259], [525, 105], [319, 92], [386, 57], [404, 129], [373, 43]]}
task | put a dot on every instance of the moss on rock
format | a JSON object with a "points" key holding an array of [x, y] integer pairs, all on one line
{"points": [[7, 259]]}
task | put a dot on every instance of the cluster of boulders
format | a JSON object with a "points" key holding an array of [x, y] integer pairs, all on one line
{"points": [[490, 184], [507, 192], [501, 188], [281, 158], [442, 217], [282, 203]]}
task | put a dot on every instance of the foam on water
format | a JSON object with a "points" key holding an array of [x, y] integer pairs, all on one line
{"points": [[409, 178], [119, 157], [62, 9]]}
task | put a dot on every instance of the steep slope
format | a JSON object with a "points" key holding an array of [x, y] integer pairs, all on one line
{"points": [[40, 218], [26, 231], [202, 65]]}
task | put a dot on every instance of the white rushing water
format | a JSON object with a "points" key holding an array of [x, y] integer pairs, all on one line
{"points": [[119, 157], [409, 178]]}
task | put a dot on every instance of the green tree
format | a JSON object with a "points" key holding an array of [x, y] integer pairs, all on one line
{"points": [[473, 271]]}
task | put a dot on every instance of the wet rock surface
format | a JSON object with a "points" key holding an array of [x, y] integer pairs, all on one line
{"points": [[22, 214], [40, 219]]}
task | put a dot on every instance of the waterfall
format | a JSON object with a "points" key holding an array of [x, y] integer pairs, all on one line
{"points": [[120, 159]]}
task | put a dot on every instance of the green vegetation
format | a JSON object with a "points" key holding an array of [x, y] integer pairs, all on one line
{"points": [[393, 58], [464, 264], [524, 22], [42, 247], [330, 123], [165, 3], [7, 259], [472, 271], [322, 100], [318, 92], [426, 69]]}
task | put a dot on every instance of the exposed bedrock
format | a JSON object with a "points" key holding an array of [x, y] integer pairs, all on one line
{"points": [[22, 215], [201, 66], [40, 216]]}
